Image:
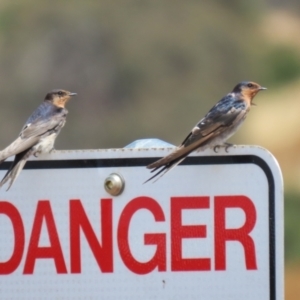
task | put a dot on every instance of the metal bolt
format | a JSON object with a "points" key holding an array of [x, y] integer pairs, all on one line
{"points": [[114, 184]]}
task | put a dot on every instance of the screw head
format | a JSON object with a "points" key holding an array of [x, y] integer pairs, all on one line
{"points": [[114, 184]]}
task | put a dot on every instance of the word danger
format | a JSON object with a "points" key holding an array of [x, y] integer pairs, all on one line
{"points": [[102, 249]]}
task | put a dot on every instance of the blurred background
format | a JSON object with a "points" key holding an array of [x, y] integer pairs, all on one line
{"points": [[144, 67]]}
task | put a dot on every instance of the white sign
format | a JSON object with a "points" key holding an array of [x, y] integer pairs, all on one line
{"points": [[212, 228]]}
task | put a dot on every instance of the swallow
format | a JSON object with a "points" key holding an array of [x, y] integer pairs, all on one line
{"points": [[217, 126], [38, 134]]}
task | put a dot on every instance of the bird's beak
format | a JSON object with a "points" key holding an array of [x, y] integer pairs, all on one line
{"points": [[72, 94], [262, 88]]}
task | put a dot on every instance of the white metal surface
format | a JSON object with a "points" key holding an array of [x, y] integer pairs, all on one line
{"points": [[62, 236]]}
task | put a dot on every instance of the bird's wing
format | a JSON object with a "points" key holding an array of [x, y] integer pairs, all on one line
{"points": [[40, 123], [32, 131], [17, 146], [218, 119], [42, 126]]}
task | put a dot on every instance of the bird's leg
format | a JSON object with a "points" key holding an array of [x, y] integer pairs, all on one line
{"points": [[216, 148], [37, 153], [225, 145]]}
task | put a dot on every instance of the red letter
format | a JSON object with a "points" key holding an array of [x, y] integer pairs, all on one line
{"points": [[237, 234], [54, 251], [79, 219], [179, 231], [16, 220], [158, 239]]}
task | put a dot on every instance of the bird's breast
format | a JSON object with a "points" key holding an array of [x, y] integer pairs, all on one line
{"points": [[46, 144], [229, 132]]}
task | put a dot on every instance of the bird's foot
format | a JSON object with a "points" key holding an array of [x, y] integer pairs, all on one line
{"points": [[53, 149], [216, 148], [226, 146]]}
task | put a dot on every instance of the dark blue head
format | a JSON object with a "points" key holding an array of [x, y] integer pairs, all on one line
{"points": [[59, 97], [248, 87]]}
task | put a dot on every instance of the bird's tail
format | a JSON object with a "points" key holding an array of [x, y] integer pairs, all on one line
{"points": [[170, 161], [16, 167], [164, 169]]}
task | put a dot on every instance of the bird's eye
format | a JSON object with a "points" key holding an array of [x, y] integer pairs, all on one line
{"points": [[250, 85], [60, 93]]}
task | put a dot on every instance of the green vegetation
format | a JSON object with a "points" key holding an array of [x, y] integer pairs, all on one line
{"points": [[292, 226], [283, 64], [128, 60]]}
